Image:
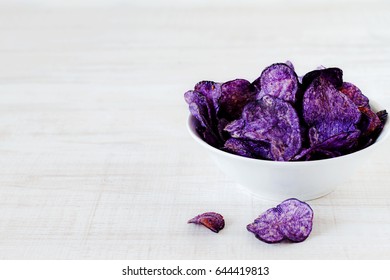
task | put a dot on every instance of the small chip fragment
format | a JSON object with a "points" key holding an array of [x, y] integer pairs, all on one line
{"points": [[211, 220], [292, 219]]}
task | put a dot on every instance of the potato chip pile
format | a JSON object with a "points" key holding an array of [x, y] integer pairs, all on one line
{"points": [[283, 117]]}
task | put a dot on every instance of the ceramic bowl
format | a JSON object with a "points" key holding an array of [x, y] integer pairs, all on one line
{"points": [[273, 180]]}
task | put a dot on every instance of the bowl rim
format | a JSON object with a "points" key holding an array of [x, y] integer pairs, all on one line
{"points": [[380, 140]]}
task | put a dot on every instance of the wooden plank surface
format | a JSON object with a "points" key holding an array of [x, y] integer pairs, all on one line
{"points": [[95, 159]]}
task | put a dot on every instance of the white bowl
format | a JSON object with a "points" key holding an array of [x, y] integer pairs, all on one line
{"points": [[275, 180]]}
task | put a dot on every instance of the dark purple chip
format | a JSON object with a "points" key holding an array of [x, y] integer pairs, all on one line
{"points": [[296, 219], [234, 96], [247, 148], [211, 220], [333, 75], [382, 115], [259, 149], [273, 121], [292, 219], [223, 135], [355, 94], [373, 122], [316, 154], [371, 125], [267, 227], [278, 80]]}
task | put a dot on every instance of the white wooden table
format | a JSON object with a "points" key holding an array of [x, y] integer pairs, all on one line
{"points": [[95, 159]]}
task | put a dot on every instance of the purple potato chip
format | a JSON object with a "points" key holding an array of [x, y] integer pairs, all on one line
{"points": [[204, 112], [331, 147], [333, 75], [237, 147], [292, 219], [223, 135], [211, 220], [198, 107], [371, 125], [209, 137], [278, 80], [355, 94], [267, 226], [373, 122], [273, 121], [247, 148], [327, 130], [323, 103], [234, 96], [296, 219], [260, 94], [344, 140], [259, 149], [211, 90]]}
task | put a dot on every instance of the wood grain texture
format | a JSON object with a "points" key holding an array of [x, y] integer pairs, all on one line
{"points": [[95, 159]]}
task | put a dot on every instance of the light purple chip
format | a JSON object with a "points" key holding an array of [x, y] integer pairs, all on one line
{"points": [[267, 227], [296, 219], [278, 80], [289, 64], [199, 107], [332, 132], [292, 219], [270, 120]]}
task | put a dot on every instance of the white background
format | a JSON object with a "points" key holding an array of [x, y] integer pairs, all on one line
{"points": [[95, 159]]}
